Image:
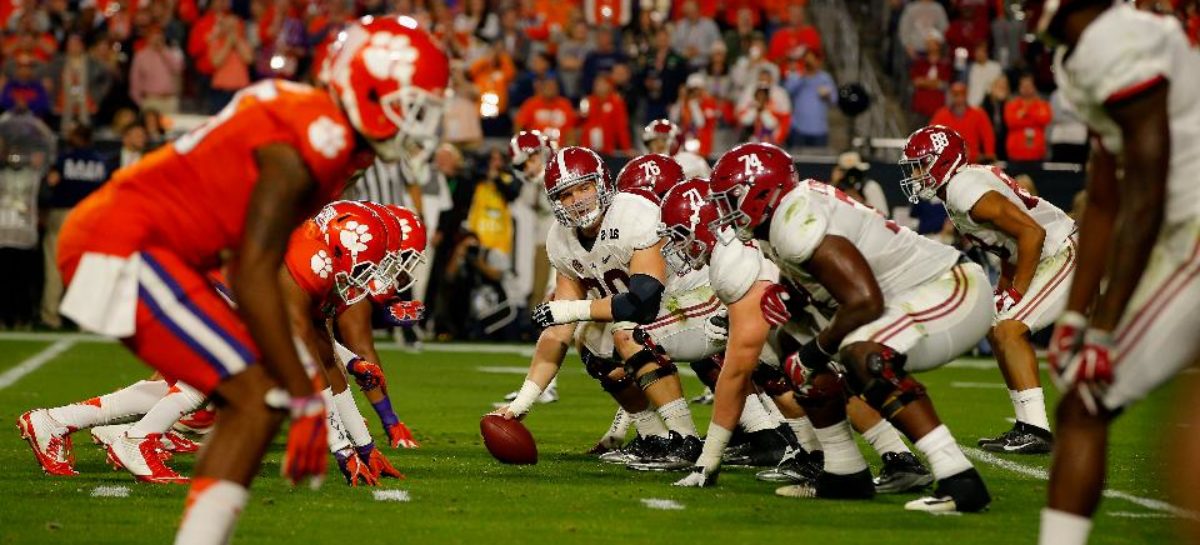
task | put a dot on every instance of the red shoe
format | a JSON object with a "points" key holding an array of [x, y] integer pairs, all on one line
{"points": [[175, 443], [198, 422], [50, 442], [400, 436]]}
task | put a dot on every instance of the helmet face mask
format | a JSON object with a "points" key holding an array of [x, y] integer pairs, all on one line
{"points": [[587, 202], [352, 286], [729, 214], [918, 183]]}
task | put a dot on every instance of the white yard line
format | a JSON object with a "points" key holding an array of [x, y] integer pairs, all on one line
{"points": [[1041, 474], [661, 504], [110, 492], [34, 362], [391, 495]]}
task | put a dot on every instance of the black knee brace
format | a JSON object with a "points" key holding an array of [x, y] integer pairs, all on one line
{"points": [[650, 353], [707, 370], [884, 383], [771, 380], [601, 369]]}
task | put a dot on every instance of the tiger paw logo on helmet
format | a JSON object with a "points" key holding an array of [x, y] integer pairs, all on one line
{"points": [[322, 264], [391, 56], [355, 236]]}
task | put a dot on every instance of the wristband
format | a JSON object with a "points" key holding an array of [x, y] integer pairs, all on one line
{"points": [[714, 446], [572, 311], [525, 397]]}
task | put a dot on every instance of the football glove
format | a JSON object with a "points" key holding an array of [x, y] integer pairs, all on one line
{"points": [[774, 305], [699, 478], [1006, 299], [1065, 342], [369, 376], [399, 313], [377, 464], [354, 470], [400, 436], [307, 441], [716, 329], [1090, 370]]}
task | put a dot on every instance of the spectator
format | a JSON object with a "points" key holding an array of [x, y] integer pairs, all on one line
{"points": [[605, 120], [919, 20], [812, 92], [514, 39], [230, 55], [746, 69], [25, 91], [980, 76], [154, 75], [694, 34], [608, 14], [572, 50], [660, 75], [790, 43], [739, 39], [1007, 35], [719, 80], [600, 60], [475, 304], [1067, 134], [156, 130], [850, 175], [1026, 116], [548, 112], [200, 38], [764, 115], [697, 113], [731, 13], [930, 76], [80, 83], [27, 149], [639, 39], [29, 40], [492, 75], [993, 106], [970, 122], [464, 120], [525, 85], [79, 171], [478, 19], [133, 145], [967, 30], [282, 40]]}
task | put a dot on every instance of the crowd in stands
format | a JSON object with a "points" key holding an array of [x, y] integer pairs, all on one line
{"points": [[956, 63]]}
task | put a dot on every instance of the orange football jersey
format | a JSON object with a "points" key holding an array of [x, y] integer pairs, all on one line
{"points": [[191, 195]]}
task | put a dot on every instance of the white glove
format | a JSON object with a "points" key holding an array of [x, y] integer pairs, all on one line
{"points": [[698, 478], [716, 329], [562, 312]]}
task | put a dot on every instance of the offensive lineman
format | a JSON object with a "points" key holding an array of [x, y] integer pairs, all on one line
{"points": [[665, 137]]}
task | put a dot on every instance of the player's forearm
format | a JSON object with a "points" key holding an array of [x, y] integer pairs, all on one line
{"points": [[1029, 253], [548, 354], [354, 330], [847, 319], [733, 384]]}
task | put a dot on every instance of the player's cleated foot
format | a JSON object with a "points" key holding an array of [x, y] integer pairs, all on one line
{"points": [[902, 472], [763, 448], [141, 456], [637, 450], [963, 492], [378, 464], [705, 398], [1021, 439], [681, 453], [855, 486], [353, 469], [796, 466], [176, 443], [606, 444], [49, 440], [198, 422], [400, 436]]}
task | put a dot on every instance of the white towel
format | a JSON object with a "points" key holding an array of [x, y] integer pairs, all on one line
{"points": [[103, 294]]}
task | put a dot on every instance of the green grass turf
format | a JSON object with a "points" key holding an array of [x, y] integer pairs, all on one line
{"points": [[460, 495]]}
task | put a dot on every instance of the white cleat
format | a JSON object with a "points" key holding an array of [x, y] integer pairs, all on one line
{"points": [[49, 440], [931, 504], [141, 456]]}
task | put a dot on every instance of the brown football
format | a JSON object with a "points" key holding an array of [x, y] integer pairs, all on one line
{"points": [[508, 440]]}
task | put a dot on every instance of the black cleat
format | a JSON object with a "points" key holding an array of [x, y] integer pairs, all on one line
{"points": [[856, 486], [763, 448], [680, 453], [796, 466], [901, 472], [963, 492], [638, 450], [1021, 439]]}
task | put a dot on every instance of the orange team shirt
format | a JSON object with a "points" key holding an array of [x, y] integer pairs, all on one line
{"points": [[309, 261], [191, 196], [538, 113]]}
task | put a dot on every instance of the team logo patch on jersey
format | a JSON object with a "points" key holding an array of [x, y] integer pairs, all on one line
{"points": [[327, 137], [355, 237], [391, 56], [322, 264], [575, 264]]}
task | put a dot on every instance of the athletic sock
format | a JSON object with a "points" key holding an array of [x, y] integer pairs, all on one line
{"points": [[130, 401], [648, 424], [1062, 528], [620, 424], [945, 458], [884, 438], [211, 512], [1031, 408], [754, 416], [1018, 409], [842, 456], [336, 434], [352, 419], [805, 433], [678, 417], [387, 415], [180, 400]]}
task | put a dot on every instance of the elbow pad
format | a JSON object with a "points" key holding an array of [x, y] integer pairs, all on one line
{"points": [[640, 303]]}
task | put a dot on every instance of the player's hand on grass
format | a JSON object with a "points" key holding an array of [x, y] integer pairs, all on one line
{"points": [[379, 465], [355, 470], [400, 436], [698, 478], [307, 441]]}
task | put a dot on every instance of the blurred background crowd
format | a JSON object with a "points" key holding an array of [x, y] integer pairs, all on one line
{"points": [[89, 86]]}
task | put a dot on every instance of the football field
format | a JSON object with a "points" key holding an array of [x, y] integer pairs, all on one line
{"points": [[456, 493]]}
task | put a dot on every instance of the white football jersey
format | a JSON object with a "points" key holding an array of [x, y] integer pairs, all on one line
{"points": [[1123, 52], [900, 258], [971, 183], [630, 224], [733, 268], [694, 166]]}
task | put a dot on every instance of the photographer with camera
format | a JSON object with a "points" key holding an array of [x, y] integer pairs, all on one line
{"points": [[850, 176]]}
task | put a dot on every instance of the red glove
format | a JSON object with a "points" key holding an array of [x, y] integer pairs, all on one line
{"points": [[355, 470], [307, 442], [403, 313], [400, 436], [774, 307], [1091, 368], [369, 376], [1006, 299], [380, 467], [1065, 341]]}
